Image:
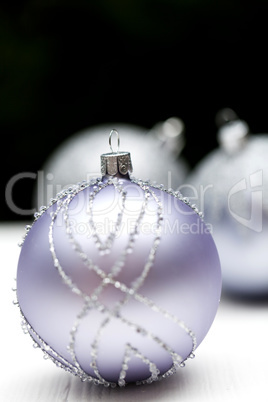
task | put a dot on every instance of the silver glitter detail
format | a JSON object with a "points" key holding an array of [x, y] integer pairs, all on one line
{"points": [[106, 246], [62, 201]]}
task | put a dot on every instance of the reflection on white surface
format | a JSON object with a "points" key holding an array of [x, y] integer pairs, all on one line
{"points": [[230, 365]]}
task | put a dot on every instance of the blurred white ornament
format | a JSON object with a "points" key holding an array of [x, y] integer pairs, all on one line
{"points": [[155, 154], [231, 186]]}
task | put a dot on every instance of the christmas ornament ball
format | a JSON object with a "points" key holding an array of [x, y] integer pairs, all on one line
{"points": [[118, 280], [231, 186]]}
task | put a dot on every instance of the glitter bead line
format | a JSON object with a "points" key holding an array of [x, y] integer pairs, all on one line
{"points": [[46, 349], [152, 367], [107, 280], [105, 246], [131, 291], [94, 350], [62, 194], [89, 263], [67, 280], [177, 194], [63, 200], [149, 303], [176, 358], [48, 352], [84, 184]]}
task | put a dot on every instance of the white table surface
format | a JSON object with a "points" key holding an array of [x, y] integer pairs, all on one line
{"points": [[230, 365]]}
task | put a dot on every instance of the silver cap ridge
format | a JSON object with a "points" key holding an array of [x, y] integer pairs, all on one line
{"points": [[114, 163]]}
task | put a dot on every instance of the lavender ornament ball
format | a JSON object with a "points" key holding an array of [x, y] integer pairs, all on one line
{"points": [[118, 280]]}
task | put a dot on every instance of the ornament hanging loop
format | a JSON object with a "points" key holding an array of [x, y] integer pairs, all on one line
{"points": [[118, 140]]}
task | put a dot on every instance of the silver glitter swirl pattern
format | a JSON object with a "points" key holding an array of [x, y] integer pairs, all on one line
{"points": [[92, 301]]}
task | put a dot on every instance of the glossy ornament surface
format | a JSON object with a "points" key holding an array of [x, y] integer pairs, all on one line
{"points": [[118, 280], [231, 186]]}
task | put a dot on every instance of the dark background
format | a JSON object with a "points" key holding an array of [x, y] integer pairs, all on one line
{"points": [[67, 65]]}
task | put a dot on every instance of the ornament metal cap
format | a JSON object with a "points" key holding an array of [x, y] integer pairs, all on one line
{"points": [[233, 132], [116, 163]]}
